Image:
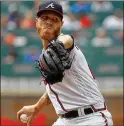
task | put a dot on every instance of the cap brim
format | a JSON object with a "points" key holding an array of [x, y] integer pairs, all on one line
{"points": [[44, 10]]}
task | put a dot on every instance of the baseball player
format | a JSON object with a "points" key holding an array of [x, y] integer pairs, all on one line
{"points": [[70, 85]]}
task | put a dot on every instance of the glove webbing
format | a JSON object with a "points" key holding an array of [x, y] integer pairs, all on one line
{"points": [[61, 55], [54, 61]]}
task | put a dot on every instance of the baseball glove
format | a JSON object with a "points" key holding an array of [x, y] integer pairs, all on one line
{"points": [[50, 66], [54, 60], [62, 53]]}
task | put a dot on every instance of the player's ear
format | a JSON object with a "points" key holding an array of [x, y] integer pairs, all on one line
{"points": [[36, 22], [62, 23]]}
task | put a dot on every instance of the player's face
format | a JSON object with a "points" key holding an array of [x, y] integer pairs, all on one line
{"points": [[48, 25]]}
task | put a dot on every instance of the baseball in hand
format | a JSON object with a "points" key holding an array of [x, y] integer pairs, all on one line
{"points": [[24, 118]]}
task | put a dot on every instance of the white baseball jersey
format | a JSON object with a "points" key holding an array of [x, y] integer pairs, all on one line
{"points": [[78, 87]]}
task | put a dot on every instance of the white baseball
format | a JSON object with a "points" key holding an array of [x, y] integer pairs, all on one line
{"points": [[24, 118]]}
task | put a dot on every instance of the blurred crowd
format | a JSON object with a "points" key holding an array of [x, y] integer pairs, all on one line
{"points": [[98, 23]]}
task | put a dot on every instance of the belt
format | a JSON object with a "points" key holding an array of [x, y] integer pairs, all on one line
{"points": [[82, 111]]}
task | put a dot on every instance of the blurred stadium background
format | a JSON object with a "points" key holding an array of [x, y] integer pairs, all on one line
{"points": [[98, 30]]}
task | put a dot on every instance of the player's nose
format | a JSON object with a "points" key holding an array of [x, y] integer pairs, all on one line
{"points": [[49, 22]]}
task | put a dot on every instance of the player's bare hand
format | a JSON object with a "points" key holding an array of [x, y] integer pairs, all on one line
{"points": [[30, 111]]}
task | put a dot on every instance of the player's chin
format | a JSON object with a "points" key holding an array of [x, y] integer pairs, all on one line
{"points": [[46, 36]]}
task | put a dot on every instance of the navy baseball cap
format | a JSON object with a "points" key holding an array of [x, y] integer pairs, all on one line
{"points": [[50, 6]]}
